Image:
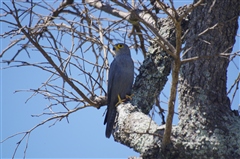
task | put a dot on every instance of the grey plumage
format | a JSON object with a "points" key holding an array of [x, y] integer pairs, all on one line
{"points": [[121, 75]]}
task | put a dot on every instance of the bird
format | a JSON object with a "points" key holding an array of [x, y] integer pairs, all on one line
{"points": [[120, 81]]}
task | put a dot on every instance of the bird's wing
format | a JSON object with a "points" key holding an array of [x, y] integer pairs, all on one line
{"points": [[112, 98], [114, 70]]}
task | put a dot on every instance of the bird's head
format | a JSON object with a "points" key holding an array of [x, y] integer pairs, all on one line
{"points": [[121, 48]]}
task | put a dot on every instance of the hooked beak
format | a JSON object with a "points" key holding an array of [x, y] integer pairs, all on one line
{"points": [[114, 48]]}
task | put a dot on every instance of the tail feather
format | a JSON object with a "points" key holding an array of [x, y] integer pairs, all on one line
{"points": [[109, 119]]}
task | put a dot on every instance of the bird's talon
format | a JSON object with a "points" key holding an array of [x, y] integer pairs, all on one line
{"points": [[119, 100], [129, 97]]}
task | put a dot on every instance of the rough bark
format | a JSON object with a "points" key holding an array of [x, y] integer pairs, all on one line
{"points": [[153, 72], [156, 67], [207, 126]]}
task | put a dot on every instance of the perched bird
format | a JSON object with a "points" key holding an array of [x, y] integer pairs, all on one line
{"points": [[120, 82]]}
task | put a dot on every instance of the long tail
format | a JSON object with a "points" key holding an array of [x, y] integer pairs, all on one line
{"points": [[109, 119]]}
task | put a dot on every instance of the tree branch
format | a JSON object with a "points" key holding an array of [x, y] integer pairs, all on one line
{"points": [[138, 131]]}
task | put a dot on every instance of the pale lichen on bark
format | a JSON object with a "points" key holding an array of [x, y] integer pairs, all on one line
{"points": [[138, 131]]}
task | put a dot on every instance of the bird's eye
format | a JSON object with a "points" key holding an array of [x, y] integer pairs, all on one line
{"points": [[120, 46]]}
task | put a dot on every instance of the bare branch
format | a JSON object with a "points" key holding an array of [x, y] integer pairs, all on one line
{"points": [[49, 59]]}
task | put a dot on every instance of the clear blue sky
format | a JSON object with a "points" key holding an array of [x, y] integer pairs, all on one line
{"points": [[82, 137]]}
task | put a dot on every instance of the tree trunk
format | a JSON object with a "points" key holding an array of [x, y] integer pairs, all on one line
{"points": [[207, 127]]}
